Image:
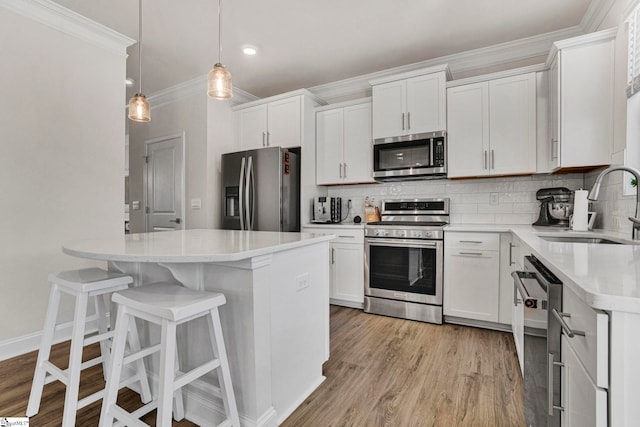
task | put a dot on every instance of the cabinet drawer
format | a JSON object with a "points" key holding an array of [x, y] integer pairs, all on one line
{"points": [[342, 235], [474, 241], [592, 348]]}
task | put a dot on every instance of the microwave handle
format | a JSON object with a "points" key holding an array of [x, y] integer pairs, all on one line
{"points": [[432, 142]]}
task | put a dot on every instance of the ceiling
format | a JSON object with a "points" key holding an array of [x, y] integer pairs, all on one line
{"points": [[306, 43]]}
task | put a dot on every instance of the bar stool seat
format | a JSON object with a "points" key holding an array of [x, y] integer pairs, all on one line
{"points": [[168, 305], [81, 284]]}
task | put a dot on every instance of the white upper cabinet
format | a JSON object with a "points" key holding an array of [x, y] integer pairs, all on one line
{"points": [[273, 124], [581, 88], [492, 127], [411, 103], [343, 144]]}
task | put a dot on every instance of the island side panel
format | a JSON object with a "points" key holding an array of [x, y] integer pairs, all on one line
{"points": [[299, 324]]}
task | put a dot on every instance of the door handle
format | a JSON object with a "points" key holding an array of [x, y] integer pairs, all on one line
{"points": [[340, 170], [493, 159], [409, 120], [177, 220], [333, 255], [268, 139], [241, 194], [345, 170], [402, 121], [249, 196], [511, 246], [554, 148], [264, 135], [485, 159]]}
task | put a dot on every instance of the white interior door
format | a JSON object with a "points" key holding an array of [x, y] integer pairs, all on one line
{"points": [[165, 183]]}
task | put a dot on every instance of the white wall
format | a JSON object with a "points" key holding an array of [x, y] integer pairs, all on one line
{"points": [[61, 161]]}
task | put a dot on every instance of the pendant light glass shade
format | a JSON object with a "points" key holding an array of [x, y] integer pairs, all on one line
{"points": [[139, 108], [219, 84]]}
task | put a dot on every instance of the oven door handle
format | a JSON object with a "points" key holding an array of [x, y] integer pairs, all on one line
{"points": [[402, 243], [528, 300]]}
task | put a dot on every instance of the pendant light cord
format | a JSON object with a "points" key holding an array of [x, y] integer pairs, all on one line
{"points": [[219, 31], [140, 45]]}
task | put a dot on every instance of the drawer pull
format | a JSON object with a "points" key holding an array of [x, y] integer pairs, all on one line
{"points": [[346, 237], [471, 241], [471, 253], [565, 327]]}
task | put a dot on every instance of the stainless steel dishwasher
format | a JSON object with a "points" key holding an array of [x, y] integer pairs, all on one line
{"points": [[541, 292]]}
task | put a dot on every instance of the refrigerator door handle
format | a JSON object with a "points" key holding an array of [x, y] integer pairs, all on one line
{"points": [[250, 196], [240, 187]]}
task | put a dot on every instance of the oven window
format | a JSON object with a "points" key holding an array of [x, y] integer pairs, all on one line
{"points": [[413, 154], [401, 269]]}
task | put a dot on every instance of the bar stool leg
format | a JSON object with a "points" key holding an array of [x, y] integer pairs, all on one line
{"points": [[167, 374], [224, 374], [115, 368], [141, 372], [105, 348], [75, 361], [43, 353], [178, 403]]}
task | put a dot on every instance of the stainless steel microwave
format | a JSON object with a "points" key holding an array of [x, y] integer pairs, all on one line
{"points": [[421, 156]]}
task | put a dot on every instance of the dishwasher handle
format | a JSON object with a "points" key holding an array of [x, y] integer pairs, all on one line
{"points": [[528, 300]]}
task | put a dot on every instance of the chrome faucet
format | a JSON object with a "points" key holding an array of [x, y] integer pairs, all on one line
{"points": [[595, 192]]}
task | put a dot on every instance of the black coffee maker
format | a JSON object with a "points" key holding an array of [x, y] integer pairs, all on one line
{"points": [[556, 205]]}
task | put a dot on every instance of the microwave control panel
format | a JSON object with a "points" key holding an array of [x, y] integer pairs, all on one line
{"points": [[438, 152]]}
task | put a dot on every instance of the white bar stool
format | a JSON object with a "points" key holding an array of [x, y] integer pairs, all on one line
{"points": [[167, 305], [81, 284]]}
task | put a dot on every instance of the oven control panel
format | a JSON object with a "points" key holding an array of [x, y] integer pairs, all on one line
{"points": [[403, 233]]}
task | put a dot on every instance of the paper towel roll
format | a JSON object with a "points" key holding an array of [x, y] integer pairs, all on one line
{"points": [[580, 211]]}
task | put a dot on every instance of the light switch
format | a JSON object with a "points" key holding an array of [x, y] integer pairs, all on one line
{"points": [[196, 204], [135, 205]]}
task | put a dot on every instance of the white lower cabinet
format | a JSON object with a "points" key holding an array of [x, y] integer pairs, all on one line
{"points": [[517, 327], [471, 275], [585, 404], [346, 260]]}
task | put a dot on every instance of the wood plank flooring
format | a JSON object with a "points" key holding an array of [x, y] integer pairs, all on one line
{"points": [[382, 372], [393, 372]]}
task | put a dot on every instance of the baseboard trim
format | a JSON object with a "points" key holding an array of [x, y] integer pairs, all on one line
{"points": [[24, 344], [477, 323], [345, 303], [285, 414]]}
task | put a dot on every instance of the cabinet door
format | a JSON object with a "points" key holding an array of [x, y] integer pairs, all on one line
{"points": [[554, 114], [512, 125], [585, 405], [252, 127], [347, 272], [471, 284], [426, 103], [468, 130], [329, 166], [358, 150], [284, 124], [389, 100]]}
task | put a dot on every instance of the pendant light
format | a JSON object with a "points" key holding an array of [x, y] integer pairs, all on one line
{"points": [[219, 84], [139, 108]]}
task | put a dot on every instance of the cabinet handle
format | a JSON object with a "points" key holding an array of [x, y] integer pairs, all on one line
{"points": [[346, 237], [333, 255], [493, 159], [264, 143], [345, 170], [470, 241], [402, 121], [550, 365], [511, 246], [554, 148], [409, 120], [340, 170], [485, 159], [565, 327], [268, 139], [471, 253]]}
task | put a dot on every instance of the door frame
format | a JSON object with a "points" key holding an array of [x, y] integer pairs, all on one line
{"points": [[145, 179]]}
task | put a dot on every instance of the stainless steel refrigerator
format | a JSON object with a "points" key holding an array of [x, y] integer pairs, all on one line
{"points": [[261, 190]]}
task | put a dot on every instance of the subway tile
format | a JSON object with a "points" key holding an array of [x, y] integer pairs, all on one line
{"points": [[478, 218], [499, 208], [464, 208], [507, 218], [532, 208]]}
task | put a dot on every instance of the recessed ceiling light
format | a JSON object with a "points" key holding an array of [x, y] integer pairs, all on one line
{"points": [[129, 81], [249, 50]]}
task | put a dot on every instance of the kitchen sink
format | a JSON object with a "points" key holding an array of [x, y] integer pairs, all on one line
{"points": [[581, 239]]}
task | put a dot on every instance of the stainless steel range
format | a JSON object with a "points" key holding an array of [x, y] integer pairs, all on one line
{"points": [[403, 259]]}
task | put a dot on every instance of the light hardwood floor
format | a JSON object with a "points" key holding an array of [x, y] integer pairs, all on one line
{"points": [[382, 372], [392, 372]]}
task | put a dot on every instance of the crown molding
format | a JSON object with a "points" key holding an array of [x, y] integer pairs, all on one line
{"points": [[196, 86], [71, 23], [599, 36], [415, 73], [595, 14], [503, 53], [281, 96], [499, 75]]}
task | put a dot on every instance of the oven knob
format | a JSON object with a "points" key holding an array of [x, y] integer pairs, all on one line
{"points": [[427, 234], [376, 233], [417, 234], [402, 233]]}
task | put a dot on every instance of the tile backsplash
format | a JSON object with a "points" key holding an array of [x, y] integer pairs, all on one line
{"points": [[612, 206], [473, 201]]}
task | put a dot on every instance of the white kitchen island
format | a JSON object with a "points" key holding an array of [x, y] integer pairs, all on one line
{"points": [[275, 322]]}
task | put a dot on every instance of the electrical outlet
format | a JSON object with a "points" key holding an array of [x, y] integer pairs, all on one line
{"points": [[302, 282], [494, 198]]}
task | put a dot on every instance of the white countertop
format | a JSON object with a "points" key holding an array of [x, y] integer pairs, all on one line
{"points": [[186, 246], [605, 276]]}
